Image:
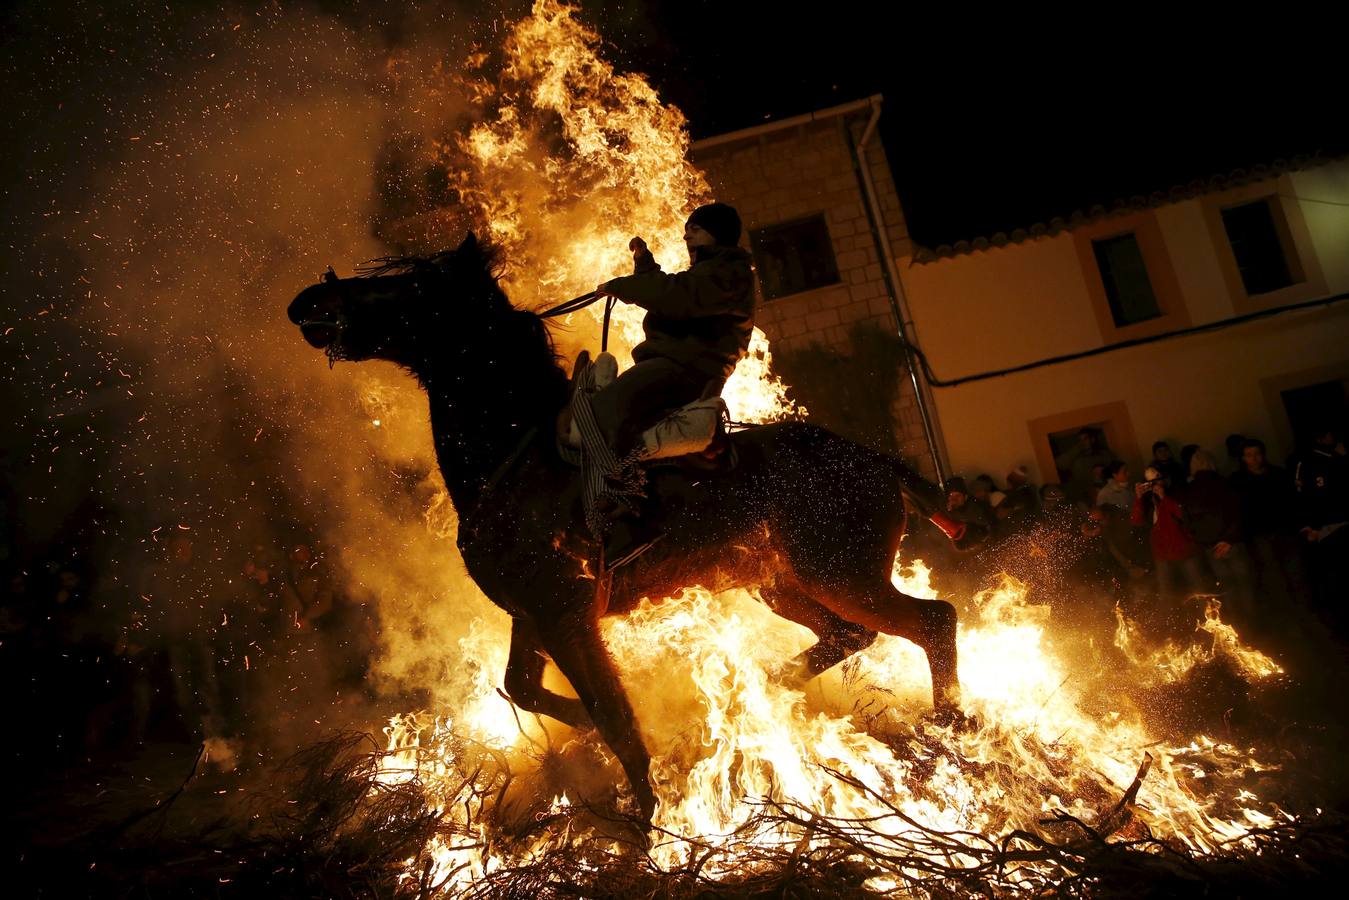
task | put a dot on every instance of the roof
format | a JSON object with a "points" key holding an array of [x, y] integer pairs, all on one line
{"points": [[1124, 206], [865, 105]]}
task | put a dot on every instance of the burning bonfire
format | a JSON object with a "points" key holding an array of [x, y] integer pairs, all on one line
{"points": [[1083, 764], [1063, 772], [844, 781]]}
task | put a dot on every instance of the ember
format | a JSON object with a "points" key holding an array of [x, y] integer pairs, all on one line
{"points": [[1079, 765], [751, 775]]}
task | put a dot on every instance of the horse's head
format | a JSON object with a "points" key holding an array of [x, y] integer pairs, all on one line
{"points": [[399, 309]]}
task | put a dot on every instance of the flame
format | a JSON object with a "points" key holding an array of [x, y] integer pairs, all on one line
{"points": [[1051, 739], [1053, 732], [565, 218], [1171, 662]]}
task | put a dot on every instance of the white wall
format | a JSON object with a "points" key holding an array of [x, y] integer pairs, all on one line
{"points": [[1024, 302]]}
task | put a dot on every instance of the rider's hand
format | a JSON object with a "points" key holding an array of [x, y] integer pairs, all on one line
{"points": [[642, 260], [602, 290]]}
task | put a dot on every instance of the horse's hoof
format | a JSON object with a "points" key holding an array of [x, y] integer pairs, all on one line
{"points": [[647, 809], [645, 801], [954, 718]]}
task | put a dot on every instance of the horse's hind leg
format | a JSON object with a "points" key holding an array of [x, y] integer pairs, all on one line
{"points": [[931, 624], [524, 680], [837, 638]]}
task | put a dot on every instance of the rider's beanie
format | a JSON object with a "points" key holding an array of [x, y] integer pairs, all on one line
{"points": [[720, 221]]}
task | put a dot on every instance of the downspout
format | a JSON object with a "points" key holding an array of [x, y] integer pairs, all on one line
{"points": [[894, 287]]}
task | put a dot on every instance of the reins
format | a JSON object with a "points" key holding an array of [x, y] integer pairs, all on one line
{"points": [[581, 302]]}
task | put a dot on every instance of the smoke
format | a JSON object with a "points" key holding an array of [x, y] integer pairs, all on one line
{"points": [[183, 175], [269, 524]]}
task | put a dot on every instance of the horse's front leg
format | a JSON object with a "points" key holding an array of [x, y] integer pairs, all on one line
{"points": [[524, 679], [572, 638]]}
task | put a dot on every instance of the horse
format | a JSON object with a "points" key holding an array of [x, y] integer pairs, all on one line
{"points": [[809, 518]]}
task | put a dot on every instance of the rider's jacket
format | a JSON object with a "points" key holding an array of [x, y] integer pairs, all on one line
{"points": [[702, 318]]}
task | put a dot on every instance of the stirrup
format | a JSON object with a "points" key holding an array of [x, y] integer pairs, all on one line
{"points": [[626, 554]]}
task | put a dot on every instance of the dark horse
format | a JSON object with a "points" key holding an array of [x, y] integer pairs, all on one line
{"points": [[812, 519]]}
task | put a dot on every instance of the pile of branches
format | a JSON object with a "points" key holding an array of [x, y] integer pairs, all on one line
{"points": [[334, 829], [894, 855]]}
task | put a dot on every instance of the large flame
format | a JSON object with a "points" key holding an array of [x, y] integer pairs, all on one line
{"points": [[569, 161], [1051, 738]]}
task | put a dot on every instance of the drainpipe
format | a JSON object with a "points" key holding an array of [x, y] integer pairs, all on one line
{"points": [[894, 287]]}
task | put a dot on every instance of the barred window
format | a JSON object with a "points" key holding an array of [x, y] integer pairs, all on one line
{"points": [[793, 257]]}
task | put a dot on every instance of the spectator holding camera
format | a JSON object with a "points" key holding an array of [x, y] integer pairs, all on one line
{"points": [[1175, 555]]}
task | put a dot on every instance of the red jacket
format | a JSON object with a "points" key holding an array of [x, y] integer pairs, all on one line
{"points": [[1170, 539]]}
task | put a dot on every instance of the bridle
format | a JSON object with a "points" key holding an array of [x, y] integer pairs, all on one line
{"points": [[334, 349]]}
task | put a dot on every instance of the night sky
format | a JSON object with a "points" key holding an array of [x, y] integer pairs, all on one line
{"points": [[997, 121], [992, 121]]}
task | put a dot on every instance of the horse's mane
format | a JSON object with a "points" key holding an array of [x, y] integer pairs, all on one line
{"points": [[481, 265], [488, 254]]}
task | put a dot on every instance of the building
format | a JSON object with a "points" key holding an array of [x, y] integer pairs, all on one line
{"points": [[826, 228], [1210, 309]]}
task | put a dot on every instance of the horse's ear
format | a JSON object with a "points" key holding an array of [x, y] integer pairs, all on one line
{"points": [[470, 242]]}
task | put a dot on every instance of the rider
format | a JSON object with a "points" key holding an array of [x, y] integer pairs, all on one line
{"points": [[698, 324]]}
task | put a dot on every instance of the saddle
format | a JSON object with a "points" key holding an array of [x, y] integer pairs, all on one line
{"points": [[692, 437]]}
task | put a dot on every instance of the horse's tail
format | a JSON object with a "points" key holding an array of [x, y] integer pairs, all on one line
{"points": [[929, 499]]}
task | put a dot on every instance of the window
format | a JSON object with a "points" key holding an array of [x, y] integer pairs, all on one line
{"points": [[1064, 440], [794, 257], [1258, 247], [1127, 287], [1129, 278], [1052, 435], [1317, 407]]}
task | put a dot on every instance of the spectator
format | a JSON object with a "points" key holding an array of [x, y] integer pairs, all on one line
{"points": [[964, 507], [1098, 480], [1118, 490], [1213, 513], [1022, 499], [983, 488], [1322, 512], [1266, 496], [1322, 483], [1175, 555], [1079, 460], [1186, 454], [1127, 557], [1234, 443], [1164, 462]]}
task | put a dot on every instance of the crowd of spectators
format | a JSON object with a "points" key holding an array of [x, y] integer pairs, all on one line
{"points": [[201, 637], [1267, 540]]}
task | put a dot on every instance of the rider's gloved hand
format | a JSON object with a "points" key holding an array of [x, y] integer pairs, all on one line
{"points": [[642, 260]]}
